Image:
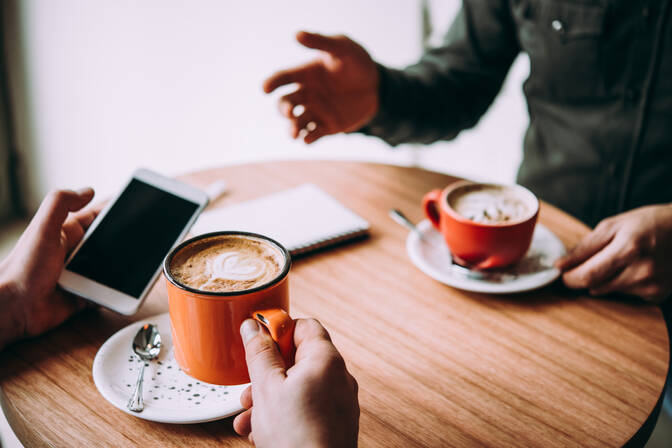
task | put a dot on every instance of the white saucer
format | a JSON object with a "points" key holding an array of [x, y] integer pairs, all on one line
{"points": [[170, 395], [432, 257]]}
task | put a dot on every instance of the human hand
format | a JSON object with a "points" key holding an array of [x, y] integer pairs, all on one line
{"points": [[338, 90], [313, 403], [30, 272], [627, 253]]}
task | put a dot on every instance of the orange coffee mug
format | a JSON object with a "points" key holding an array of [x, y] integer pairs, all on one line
{"points": [[482, 245], [205, 325]]}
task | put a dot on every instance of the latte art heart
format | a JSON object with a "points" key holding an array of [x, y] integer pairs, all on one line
{"points": [[227, 263], [235, 266]]}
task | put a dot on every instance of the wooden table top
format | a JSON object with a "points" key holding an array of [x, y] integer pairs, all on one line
{"points": [[436, 366]]}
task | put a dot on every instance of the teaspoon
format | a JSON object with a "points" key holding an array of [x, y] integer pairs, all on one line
{"points": [[147, 345]]}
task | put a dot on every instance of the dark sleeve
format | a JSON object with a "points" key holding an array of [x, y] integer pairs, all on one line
{"points": [[452, 86]]}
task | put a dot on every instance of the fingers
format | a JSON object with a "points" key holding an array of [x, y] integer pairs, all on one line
{"points": [[306, 122], [638, 279], [335, 45], [305, 125], [289, 76], [75, 227], [598, 269], [288, 103], [331, 44], [58, 204], [307, 330], [312, 340], [314, 134], [246, 398], [242, 424], [264, 363], [590, 245], [630, 277]]}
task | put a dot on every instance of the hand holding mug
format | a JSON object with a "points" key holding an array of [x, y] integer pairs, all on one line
{"points": [[312, 403], [216, 281]]}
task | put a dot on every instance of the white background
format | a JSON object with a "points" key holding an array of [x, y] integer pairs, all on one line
{"points": [[176, 86]]}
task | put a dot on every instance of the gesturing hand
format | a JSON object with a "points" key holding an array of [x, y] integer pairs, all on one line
{"points": [[29, 274], [627, 253], [338, 91], [313, 403]]}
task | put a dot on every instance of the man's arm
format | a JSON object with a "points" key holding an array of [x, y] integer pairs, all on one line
{"points": [[452, 86]]}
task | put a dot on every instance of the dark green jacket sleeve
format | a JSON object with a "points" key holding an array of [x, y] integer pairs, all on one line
{"points": [[452, 86]]}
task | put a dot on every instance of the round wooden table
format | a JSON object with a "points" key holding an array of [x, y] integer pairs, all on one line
{"points": [[436, 366]]}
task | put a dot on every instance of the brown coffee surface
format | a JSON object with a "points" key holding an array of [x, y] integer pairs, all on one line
{"points": [[227, 263], [489, 204]]}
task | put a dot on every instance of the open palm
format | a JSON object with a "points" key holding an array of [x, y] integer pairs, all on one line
{"points": [[338, 91]]}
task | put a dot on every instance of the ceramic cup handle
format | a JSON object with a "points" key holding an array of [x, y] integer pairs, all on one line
{"points": [[430, 204], [281, 328]]}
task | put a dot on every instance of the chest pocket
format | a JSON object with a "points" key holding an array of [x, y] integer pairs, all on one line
{"points": [[563, 39]]}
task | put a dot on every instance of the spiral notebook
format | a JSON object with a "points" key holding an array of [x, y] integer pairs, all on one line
{"points": [[303, 219]]}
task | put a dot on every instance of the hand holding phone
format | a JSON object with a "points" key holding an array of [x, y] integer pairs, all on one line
{"points": [[120, 256], [30, 303]]}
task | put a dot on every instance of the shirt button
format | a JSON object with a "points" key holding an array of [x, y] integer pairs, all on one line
{"points": [[558, 26]]}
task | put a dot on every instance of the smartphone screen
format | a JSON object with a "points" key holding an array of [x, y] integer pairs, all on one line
{"points": [[129, 244]]}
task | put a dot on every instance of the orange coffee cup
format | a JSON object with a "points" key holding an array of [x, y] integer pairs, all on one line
{"points": [[205, 325], [481, 245]]}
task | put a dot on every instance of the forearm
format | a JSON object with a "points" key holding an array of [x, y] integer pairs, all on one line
{"points": [[452, 86], [413, 110]]}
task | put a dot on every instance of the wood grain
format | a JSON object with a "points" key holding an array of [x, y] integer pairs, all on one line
{"points": [[436, 366]]}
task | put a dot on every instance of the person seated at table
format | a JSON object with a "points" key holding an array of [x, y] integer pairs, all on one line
{"points": [[599, 142], [312, 403]]}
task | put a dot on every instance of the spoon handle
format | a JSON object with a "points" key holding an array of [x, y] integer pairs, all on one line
{"points": [[135, 403], [400, 218]]}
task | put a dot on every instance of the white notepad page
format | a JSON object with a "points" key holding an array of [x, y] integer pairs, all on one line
{"points": [[303, 218]]}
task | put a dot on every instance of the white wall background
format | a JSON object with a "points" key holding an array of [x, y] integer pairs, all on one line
{"points": [[175, 86]]}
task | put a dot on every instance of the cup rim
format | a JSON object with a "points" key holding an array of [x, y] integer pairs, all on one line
{"points": [[462, 183], [281, 276]]}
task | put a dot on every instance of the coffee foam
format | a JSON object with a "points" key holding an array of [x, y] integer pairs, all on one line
{"points": [[489, 204], [227, 263]]}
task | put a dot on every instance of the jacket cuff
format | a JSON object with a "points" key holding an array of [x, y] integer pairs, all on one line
{"points": [[385, 122]]}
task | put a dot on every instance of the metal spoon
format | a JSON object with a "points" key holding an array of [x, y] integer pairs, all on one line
{"points": [[147, 345], [400, 218]]}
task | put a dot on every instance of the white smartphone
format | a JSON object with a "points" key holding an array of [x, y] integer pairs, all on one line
{"points": [[120, 256]]}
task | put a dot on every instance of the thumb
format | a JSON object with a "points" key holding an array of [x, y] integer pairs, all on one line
{"points": [[58, 204], [331, 44], [264, 362]]}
